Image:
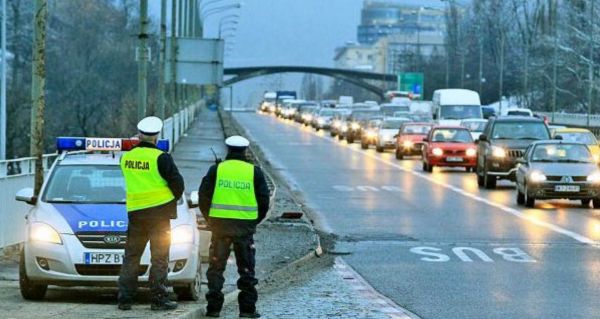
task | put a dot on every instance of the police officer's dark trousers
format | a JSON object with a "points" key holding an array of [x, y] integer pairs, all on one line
{"points": [[139, 232], [220, 248]]}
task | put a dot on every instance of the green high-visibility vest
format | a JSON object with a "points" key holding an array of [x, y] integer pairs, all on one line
{"points": [[234, 196], [145, 187]]}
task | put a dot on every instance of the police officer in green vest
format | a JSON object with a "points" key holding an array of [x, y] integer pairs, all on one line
{"points": [[153, 186], [234, 198]]}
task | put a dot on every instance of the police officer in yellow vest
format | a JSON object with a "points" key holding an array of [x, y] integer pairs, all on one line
{"points": [[153, 186], [234, 198]]}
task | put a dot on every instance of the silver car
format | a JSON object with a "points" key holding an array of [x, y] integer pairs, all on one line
{"points": [[558, 170]]}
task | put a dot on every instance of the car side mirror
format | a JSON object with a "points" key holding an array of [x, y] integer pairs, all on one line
{"points": [[26, 195], [396, 136], [483, 138], [521, 160], [558, 137], [426, 140], [194, 199]]}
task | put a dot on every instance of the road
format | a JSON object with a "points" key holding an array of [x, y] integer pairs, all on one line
{"points": [[435, 243]]}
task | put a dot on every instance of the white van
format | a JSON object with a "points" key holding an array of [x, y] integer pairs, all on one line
{"points": [[450, 106]]}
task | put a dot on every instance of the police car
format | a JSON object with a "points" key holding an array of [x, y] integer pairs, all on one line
{"points": [[77, 228]]}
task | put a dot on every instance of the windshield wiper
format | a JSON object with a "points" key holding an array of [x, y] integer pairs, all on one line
{"points": [[529, 138], [571, 161], [62, 201], [543, 161]]}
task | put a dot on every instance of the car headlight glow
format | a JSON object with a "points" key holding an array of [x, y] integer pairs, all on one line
{"points": [[308, 117], [336, 124], [594, 177], [437, 151], [182, 234], [371, 134], [344, 127], [44, 233], [321, 121], [355, 126], [408, 144], [471, 152], [596, 158], [537, 177], [498, 152]]}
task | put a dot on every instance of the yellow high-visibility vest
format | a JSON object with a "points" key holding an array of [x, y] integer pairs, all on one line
{"points": [[234, 196], [144, 185]]}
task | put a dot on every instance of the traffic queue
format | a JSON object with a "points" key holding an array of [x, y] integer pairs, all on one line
{"points": [[545, 161]]}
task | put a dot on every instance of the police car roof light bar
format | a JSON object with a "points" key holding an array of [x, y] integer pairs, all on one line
{"points": [[102, 144]]}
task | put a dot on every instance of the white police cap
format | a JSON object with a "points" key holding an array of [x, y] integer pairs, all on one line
{"points": [[237, 141], [150, 125]]}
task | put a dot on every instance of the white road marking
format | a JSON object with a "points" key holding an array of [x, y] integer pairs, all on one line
{"points": [[434, 254], [578, 237]]}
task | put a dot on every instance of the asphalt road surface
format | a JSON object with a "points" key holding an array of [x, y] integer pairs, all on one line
{"points": [[435, 243]]}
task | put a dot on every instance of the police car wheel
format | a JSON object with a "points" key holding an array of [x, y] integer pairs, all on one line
{"points": [[191, 291], [29, 290]]}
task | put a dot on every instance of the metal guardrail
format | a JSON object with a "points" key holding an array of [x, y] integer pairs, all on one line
{"points": [[19, 173]]}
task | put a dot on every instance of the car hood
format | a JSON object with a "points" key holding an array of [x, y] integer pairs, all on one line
{"points": [[94, 217], [452, 146], [565, 169], [513, 144], [388, 132], [413, 137]]}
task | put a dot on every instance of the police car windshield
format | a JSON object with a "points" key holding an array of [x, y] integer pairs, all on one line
{"points": [[86, 184]]}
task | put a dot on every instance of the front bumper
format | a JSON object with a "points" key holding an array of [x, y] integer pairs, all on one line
{"points": [[67, 265], [505, 168], [547, 190], [442, 161]]}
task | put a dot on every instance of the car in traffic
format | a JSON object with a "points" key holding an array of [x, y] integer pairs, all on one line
{"points": [[580, 135], [410, 139], [387, 131], [449, 146], [388, 109], [475, 126], [358, 120], [557, 169], [339, 124], [77, 228], [519, 111], [304, 112], [369, 135], [502, 142], [323, 118]]}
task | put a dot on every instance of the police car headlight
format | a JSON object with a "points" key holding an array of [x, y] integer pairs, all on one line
{"points": [[183, 234], [44, 233]]}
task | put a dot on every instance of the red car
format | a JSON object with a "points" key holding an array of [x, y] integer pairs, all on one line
{"points": [[409, 140], [449, 146]]}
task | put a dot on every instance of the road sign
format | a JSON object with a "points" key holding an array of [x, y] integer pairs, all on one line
{"points": [[411, 82], [199, 61]]}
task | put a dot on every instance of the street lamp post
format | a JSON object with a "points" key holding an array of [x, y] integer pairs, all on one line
{"points": [[209, 12], [591, 64]]}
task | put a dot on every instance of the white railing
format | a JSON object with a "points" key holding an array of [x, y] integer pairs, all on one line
{"points": [[19, 173], [573, 119]]}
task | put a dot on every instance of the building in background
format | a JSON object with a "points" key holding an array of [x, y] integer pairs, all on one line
{"points": [[395, 37], [380, 19], [359, 57]]}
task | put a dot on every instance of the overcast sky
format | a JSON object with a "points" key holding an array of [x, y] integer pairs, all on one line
{"points": [[288, 32]]}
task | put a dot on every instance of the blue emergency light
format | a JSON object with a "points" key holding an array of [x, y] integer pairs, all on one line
{"points": [[102, 144]]}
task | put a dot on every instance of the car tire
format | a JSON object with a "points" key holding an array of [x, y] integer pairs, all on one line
{"points": [[331, 134], [596, 203], [29, 289], [489, 181], [379, 149], [364, 146], [529, 201], [340, 137], [399, 155], [350, 139], [191, 291], [586, 203], [317, 129], [520, 197]]}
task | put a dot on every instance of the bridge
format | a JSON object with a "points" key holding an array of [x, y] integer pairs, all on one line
{"points": [[356, 77]]}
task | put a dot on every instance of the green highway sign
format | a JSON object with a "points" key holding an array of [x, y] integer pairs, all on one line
{"points": [[411, 82]]}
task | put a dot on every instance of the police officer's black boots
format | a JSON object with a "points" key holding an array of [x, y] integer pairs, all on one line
{"points": [[124, 305], [163, 304], [212, 314], [254, 314]]}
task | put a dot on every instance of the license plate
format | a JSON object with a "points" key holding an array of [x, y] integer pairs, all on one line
{"points": [[566, 188], [103, 258], [454, 159]]}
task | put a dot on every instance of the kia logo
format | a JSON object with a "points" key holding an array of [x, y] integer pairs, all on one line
{"points": [[112, 239]]}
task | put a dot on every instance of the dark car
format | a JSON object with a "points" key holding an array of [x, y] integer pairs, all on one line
{"points": [[488, 112], [502, 142], [358, 120], [558, 170]]}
